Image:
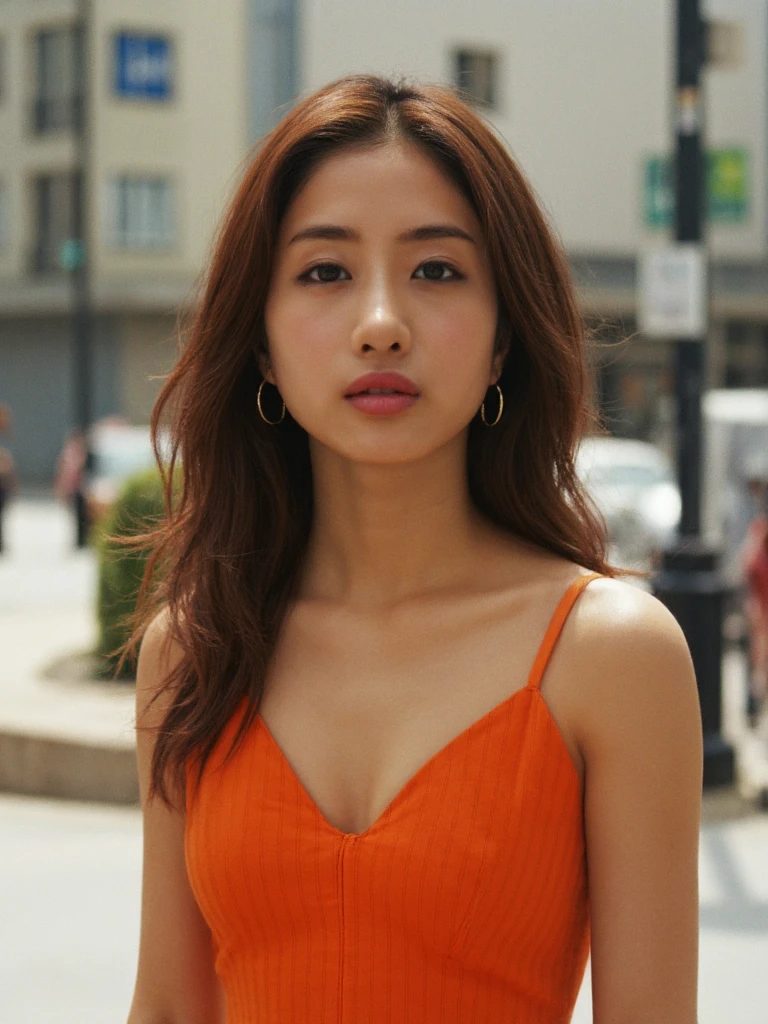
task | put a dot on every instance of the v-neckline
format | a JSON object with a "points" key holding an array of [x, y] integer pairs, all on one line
{"points": [[551, 636], [400, 795]]}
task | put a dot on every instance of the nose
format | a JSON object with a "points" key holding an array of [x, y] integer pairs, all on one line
{"points": [[381, 327]]}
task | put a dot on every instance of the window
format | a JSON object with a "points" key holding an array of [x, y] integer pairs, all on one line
{"points": [[56, 199], [475, 74], [58, 100], [140, 213]]}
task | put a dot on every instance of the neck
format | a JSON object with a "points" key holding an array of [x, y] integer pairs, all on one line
{"points": [[384, 533]]}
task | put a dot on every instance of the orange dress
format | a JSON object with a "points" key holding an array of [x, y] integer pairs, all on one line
{"points": [[465, 901]]}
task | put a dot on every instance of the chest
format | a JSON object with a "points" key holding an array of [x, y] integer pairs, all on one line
{"points": [[356, 708], [480, 859]]}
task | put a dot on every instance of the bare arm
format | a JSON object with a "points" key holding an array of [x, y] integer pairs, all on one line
{"points": [[176, 982], [641, 739]]}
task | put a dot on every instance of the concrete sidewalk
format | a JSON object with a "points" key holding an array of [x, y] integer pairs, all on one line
{"points": [[62, 733]]}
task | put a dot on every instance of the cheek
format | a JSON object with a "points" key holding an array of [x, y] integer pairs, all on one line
{"points": [[463, 341], [300, 342]]}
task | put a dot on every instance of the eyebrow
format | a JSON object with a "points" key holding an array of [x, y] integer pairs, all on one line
{"points": [[423, 234]]}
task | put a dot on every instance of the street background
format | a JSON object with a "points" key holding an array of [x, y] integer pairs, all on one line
{"points": [[114, 173]]}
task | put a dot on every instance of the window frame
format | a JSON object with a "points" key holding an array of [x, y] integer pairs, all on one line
{"points": [[57, 109], [55, 197], [136, 219], [491, 99]]}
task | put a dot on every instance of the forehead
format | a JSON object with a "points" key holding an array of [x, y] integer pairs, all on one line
{"points": [[395, 185]]}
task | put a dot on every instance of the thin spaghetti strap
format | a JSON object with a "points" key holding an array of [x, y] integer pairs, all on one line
{"points": [[555, 625]]}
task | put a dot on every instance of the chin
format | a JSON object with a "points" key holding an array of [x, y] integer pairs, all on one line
{"points": [[381, 452], [388, 442]]}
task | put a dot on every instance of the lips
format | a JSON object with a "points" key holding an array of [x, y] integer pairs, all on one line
{"points": [[381, 383], [382, 394]]}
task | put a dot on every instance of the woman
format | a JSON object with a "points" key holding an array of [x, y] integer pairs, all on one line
{"points": [[69, 481], [364, 797]]}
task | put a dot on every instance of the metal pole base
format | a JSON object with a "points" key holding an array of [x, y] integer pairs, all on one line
{"points": [[690, 585], [719, 762]]}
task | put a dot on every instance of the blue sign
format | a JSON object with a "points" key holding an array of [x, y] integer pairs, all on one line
{"points": [[143, 67]]}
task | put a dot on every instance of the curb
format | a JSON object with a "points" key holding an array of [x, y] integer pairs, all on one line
{"points": [[44, 766], [67, 734]]}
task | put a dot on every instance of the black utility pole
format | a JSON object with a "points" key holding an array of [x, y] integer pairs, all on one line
{"points": [[689, 582], [690, 197], [76, 258]]}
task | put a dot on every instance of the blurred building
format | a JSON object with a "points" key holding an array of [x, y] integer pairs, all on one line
{"points": [[273, 60], [582, 93], [168, 114]]}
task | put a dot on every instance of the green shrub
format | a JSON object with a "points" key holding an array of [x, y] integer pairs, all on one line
{"points": [[139, 506]]}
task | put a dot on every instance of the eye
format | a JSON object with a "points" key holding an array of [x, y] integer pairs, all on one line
{"points": [[327, 273], [433, 271]]}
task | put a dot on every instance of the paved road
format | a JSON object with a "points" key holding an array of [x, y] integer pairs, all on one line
{"points": [[70, 873], [70, 876]]}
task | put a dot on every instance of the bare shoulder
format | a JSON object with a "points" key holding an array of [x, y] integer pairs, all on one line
{"points": [[159, 649], [613, 609], [159, 655], [626, 653]]}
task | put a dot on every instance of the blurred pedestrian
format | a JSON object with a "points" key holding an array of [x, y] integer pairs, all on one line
{"points": [[754, 561], [8, 477], [391, 700], [69, 481]]}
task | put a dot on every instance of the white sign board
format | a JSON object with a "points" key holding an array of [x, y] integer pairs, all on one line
{"points": [[672, 292]]}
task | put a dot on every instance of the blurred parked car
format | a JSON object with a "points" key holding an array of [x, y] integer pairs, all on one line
{"points": [[633, 485], [119, 450]]}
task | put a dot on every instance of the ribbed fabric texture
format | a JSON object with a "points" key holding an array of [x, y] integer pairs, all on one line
{"points": [[465, 902]]}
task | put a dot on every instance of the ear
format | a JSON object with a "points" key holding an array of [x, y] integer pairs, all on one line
{"points": [[498, 365], [265, 369], [501, 347], [262, 357]]}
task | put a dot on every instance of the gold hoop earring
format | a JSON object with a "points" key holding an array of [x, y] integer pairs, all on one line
{"points": [[272, 423], [498, 414]]}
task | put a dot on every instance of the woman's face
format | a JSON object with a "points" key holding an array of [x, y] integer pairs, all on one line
{"points": [[381, 267]]}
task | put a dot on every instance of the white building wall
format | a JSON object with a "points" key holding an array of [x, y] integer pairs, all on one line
{"points": [[586, 89], [197, 138]]}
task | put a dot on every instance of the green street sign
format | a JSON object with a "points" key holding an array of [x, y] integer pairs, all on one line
{"points": [[727, 188], [728, 185], [71, 254], [659, 192]]}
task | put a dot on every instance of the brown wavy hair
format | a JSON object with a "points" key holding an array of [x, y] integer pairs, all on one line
{"points": [[226, 559]]}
